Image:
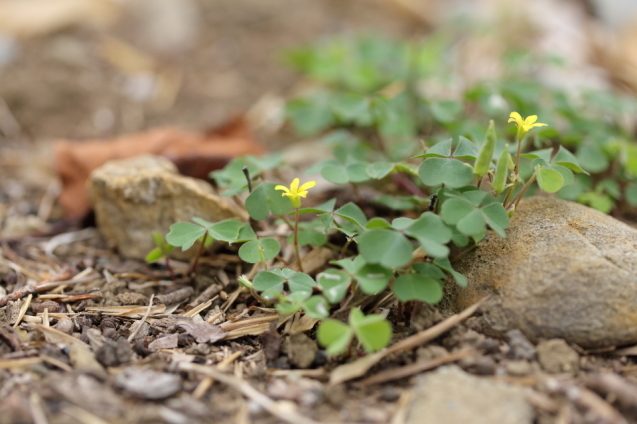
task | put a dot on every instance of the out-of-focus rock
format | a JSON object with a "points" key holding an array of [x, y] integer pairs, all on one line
{"points": [[563, 271], [136, 196], [450, 395], [556, 356]]}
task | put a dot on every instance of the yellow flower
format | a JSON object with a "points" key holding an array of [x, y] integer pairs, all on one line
{"points": [[295, 192], [524, 125]]}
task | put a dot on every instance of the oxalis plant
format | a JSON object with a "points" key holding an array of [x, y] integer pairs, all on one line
{"points": [[471, 187]]}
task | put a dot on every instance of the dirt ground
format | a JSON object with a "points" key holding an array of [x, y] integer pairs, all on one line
{"points": [[224, 55]]}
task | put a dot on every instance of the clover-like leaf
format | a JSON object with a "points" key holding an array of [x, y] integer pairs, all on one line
{"points": [[264, 200], [373, 278], [334, 284], [417, 287], [470, 218], [226, 230], [291, 303], [259, 250], [548, 179], [432, 233], [184, 234], [352, 213], [269, 283], [443, 263], [386, 247], [373, 331], [335, 336], [451, 172], [317, 307], [379, 170]]}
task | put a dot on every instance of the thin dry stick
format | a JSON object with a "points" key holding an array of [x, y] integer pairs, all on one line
{"points": [[144, 318], [416, 367], [283, 413], [23, 310], [359, 367]]}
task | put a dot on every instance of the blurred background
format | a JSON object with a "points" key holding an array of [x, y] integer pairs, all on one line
{"points": [[96, 69]]}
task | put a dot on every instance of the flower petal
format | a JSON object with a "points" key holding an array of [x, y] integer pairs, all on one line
{"points": [[530, 119], [307, 185], [294, 187], [282, 187], [514, 116], [539, 125]]}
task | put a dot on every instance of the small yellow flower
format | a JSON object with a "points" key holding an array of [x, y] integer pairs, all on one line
{"points": [[524, 125], [295, 192]]}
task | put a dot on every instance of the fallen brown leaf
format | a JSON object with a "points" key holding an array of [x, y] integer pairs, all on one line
{"points": [[195, 154]]}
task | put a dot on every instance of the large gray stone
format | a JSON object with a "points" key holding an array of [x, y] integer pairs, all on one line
{"points": [[136, 196], [563, 271], [450, 395]]}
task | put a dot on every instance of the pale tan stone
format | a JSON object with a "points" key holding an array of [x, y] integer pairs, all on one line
{"points": [[136, 196], [563, 271]]}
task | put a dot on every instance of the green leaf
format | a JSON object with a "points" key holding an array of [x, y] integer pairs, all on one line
{"points": [[317, 307], [549, 180], [602, 202], [631, 194], [310, 237], [451, 172], [322, 208], [334, 335], [465, 149], [373, 278], [268, 283], [417, 287], [592, 159], [497, 217], [446, 111], [265, 200], [385, 247], [336, 174], [438, 150], [155, 255], [291, 303], [432, 233], [428, 270], [158, 239], [352, 213], [472, 223], [301, 282], [311, 115], [443, 263], [379, 170], [357, 172], [246, 233], [352, 108], [453, 210], [184, 234], [350, 265], [259, 250], [334, 284], [373, 331], [567, 159], [378, 223], [227, 230]]}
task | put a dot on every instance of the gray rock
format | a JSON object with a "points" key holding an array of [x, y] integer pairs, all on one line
{"points": [[520, 347], [148, 384], [449, 395], [563, 271], [301, 350], [556, 356], [136, 196]]}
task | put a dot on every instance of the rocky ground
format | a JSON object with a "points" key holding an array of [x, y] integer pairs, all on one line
{"points": [[90, 336]]}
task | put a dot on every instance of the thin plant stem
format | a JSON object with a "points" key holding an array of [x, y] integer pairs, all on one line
{"points": [[169, 268], [296, 240], [521, 193], [199, 252]]}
